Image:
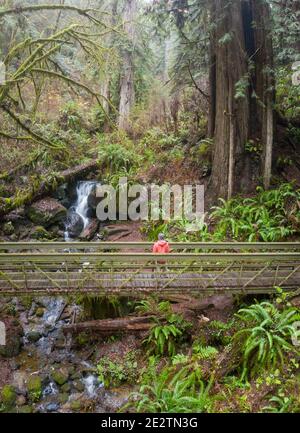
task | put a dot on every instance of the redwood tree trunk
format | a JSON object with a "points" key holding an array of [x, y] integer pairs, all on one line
{"points": [[106, 79], [127, 96], [243, 95]]}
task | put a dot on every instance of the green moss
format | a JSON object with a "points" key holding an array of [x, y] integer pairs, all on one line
{"points": [[40, 232], [8, 396], [8, 228], [63, 398], [34, 388], [75, 405], [66, 387], [25, 409], [39, 312], [60, 376]]}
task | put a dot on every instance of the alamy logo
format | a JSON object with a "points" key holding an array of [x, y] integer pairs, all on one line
{"points": [[296, 74], [2, 73], [2, 334], [151, 203]]}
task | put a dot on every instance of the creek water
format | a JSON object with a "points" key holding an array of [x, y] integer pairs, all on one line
{"points": [[80, 210], [46, 348]]}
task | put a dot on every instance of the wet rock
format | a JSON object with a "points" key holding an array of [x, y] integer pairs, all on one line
{"points": [[8, 396], [60, 376], [115, 399], [50, 389], [19, 381], [52, 407], [33, 336], [46, 212], [74, 223], [62, 194], [54, 308]]}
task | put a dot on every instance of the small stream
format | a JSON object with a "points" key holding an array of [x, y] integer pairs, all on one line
{"points": [[47, 351]]}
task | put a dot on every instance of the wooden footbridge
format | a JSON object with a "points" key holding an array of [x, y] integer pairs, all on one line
{"points": [[129, 269]]}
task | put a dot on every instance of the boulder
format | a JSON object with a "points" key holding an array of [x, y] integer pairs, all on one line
{"points": [[90, 231], [19, 381], [33, 336], [46, 212], [40, 233], [74, 223], [63, 398], [62, 194], [60, 376]]}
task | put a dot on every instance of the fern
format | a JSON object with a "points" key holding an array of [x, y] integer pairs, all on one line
{"points": [[266, 338]]}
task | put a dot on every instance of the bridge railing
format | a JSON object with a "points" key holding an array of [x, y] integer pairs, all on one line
{"points": [[116, 268], [147, 246]]}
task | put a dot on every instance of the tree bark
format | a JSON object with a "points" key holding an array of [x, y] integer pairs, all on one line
{"points": [[106, 80], [243, 103], [127, 94]]}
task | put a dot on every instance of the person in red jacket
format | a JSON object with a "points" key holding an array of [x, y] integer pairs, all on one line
{"points": [[161, 246]]}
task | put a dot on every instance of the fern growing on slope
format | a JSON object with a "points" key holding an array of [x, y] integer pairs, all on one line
{"points": [[266, 338]]}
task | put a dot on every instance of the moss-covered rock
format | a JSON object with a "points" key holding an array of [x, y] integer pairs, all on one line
{"points": [[8, 228], [46, 212], [78, 385], [76, 405], [60, 376], [39, 312], [34, 388], [63, 398], [66, 387], [33, 336], [8, 396], [40, 233]]}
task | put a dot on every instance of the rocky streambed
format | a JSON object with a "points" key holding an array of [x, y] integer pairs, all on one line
{"points": [[42, 370]]}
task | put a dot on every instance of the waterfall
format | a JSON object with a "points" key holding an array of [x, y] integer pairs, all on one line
{"points": [[84, 189]]}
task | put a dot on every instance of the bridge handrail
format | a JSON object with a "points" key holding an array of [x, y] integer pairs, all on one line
{"points": [[11, 258], [146, 246]]}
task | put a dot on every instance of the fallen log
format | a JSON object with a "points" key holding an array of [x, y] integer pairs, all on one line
{"points": [[27, 196], [111, 326], [187, 307]]}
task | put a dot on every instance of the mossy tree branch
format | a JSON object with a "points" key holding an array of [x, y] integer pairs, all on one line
{"points": [[40, 59]]}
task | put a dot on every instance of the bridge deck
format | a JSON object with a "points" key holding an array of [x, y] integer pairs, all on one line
{"points": [[105, 269]]}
